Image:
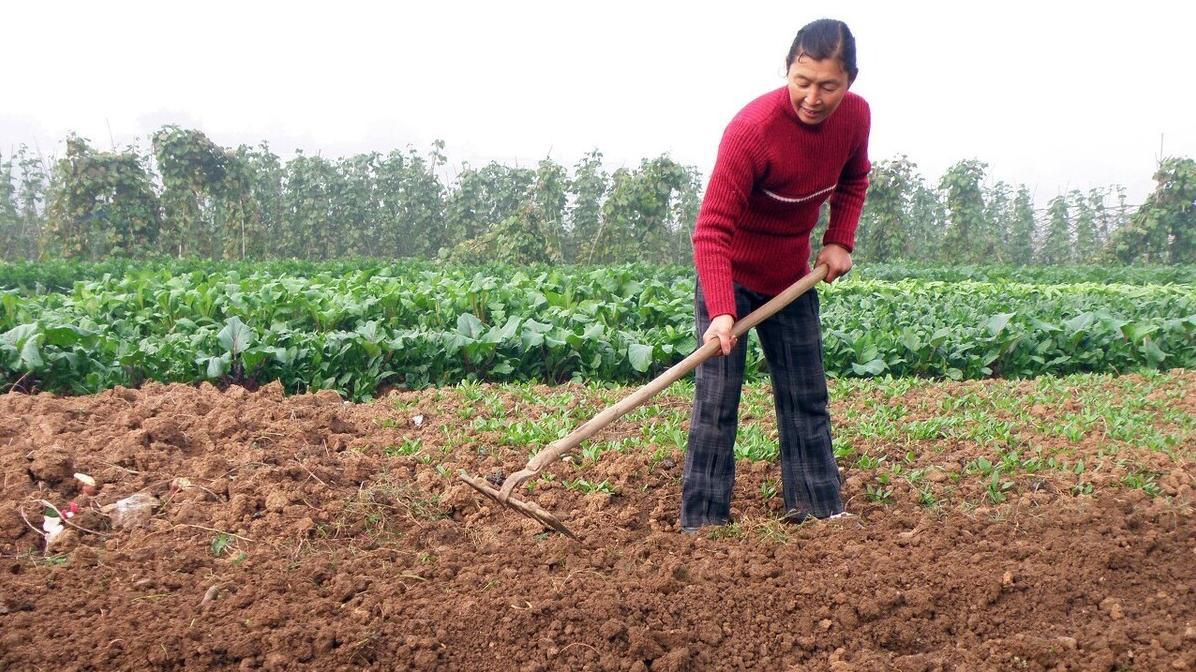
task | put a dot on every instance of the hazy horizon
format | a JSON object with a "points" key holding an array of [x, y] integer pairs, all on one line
{"points": [[1056, 97]]}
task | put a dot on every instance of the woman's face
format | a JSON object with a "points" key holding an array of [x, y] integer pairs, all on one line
{"points": [[816, 87]]}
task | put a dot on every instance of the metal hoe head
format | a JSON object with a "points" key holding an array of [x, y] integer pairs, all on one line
{"points": [[528, 509]]}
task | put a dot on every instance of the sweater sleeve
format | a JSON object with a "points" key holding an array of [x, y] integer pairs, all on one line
{"points": [[848, 200], [736, 169]]}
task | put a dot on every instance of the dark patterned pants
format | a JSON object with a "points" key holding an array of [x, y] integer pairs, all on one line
{"points": [[792, 342]]}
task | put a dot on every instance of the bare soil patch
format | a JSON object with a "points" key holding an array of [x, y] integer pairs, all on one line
{"points": [[305, 533]]}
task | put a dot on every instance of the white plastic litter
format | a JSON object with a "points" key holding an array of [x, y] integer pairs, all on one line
{"points": [[132, 511], [53, 527]]}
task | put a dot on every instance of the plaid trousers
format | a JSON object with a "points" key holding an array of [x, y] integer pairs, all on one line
{"points": [[792, 343]]}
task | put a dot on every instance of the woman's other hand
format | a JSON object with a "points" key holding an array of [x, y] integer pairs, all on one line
{"points": [[837, 260], [720, 328]]}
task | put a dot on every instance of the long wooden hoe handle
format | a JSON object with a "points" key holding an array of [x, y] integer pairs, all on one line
{"points": [[555, 450]]}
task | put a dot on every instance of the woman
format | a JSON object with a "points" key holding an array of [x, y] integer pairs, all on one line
{"points": [[780, 158]]}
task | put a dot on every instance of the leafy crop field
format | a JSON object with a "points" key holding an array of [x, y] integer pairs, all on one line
{"points": [[213, 467], [367, 329]]}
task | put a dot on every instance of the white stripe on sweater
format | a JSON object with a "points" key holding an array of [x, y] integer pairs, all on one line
{"points": [[803, 198]]}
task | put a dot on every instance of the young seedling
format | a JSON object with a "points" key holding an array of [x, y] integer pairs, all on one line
{"points": [[221, 543], [997, 487], [768, 489], [980, 465], [586, 487], [1144, 481], [407, 448], [926, 498], [756, 444], [659, 455], [869, 462], [881, 493]]}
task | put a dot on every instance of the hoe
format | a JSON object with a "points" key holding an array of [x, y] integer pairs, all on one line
{"points": [[557, 449]]}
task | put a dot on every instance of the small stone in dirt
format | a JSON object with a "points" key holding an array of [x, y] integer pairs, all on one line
{"points": [[710, 634], [836, 661], [210, 594], [52, 464], [163, 429], [496, 479], [643, 645], [1039, 484], [277, 501], [1112, 606], [277, 661], [1068, 643], [329, 397], [84, 556], [426, 660], [1007, 579], [612, 629], [673, 661]]}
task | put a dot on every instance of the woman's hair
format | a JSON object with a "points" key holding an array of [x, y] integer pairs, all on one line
{"points": [[823, 39]]}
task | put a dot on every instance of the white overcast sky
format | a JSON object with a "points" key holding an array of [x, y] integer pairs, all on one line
{"points": [[1054, 95]]}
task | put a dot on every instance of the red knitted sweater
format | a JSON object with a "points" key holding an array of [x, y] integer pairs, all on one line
{"points": [[772, 174]]}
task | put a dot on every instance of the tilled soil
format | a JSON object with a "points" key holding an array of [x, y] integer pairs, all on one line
{"points": [[295, 533]]}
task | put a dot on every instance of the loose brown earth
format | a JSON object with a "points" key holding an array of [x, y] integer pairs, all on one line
{"points": [[288, 538]]}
